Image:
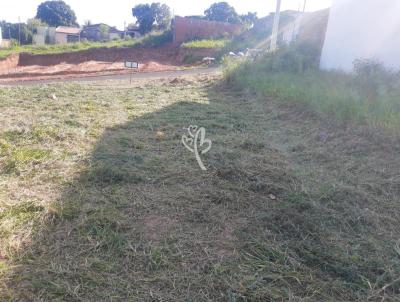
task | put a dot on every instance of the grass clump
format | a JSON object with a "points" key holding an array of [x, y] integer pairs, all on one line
{"points": [[210, 43], [15, 159], [368, 96]]}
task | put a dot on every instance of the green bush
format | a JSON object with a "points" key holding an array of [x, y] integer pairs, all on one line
{"points": [[205, 44], [373, 79], [157, 39], [296, 59]]}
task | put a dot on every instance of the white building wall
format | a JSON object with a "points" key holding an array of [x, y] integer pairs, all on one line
{"points": [[362, 29], [39, 38]]}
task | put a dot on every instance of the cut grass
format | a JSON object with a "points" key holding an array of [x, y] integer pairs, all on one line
{"points": [[292, 207]]}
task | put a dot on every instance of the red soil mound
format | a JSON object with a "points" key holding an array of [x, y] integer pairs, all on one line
{"points": [[104, 60]]}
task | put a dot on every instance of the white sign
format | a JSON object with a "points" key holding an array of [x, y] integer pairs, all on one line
{"points": [[129, 64]]}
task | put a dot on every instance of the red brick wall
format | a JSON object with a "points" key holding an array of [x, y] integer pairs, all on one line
{"points": [[190, 28]]}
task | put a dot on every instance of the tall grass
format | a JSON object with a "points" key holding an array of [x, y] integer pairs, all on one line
{"points": [[205, 44], [370, 95]]}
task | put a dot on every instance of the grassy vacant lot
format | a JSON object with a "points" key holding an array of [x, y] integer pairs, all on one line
{"points": [[101, 202], [154, 39]]}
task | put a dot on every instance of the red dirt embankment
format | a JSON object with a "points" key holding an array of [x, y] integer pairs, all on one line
{"points": [[101, 61], [9, 63]]}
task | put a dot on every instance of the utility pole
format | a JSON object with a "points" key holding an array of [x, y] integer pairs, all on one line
{"points": [[275, 29], [19, 30]]}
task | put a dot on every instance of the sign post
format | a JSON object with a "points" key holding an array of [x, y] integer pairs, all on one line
{"points": [[131, 65]]}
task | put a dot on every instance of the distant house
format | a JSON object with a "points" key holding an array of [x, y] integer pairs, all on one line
{"points": [[133, 31], [367, 29], [67, 35], [101, 32], [115, 34], [185, 29]]}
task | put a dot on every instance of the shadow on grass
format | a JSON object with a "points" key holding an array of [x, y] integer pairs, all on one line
{"points": [[142, 222]]}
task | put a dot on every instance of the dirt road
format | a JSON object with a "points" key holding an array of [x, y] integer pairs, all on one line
{"points": [[119, 76]]}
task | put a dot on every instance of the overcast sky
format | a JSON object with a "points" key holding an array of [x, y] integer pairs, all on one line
{"points": [[115, 12]]}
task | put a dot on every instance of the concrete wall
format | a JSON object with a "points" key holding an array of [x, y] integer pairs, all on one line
{"points": [[5, 43], [186, 29], [61, 38], [51, 31], [362, 29], [313, 28], [44, 35], [39, 38]]}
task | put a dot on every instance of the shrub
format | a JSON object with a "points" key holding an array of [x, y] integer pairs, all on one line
{"points": [[157, 39], [296, 59], [373, 79], [205, 44]]}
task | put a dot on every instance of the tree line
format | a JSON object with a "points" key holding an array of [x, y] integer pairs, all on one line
{"points": [[155, 16]]}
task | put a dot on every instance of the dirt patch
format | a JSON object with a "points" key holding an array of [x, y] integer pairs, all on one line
{"points": [[194, 55], [227, 239], [157, 227], [9, 63], [26, 66]]}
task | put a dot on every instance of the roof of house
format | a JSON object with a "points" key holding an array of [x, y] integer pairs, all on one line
{"points": [[96, 25], [115, 30], [133, 27], [68, 30], [111, 29]]}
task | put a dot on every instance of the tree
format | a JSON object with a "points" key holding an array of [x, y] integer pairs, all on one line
{"points": [[12, 31], [35, 23], [249, 19], [149, 15], [162, 14], [56, 13], [222, 12], [144, 16]]}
